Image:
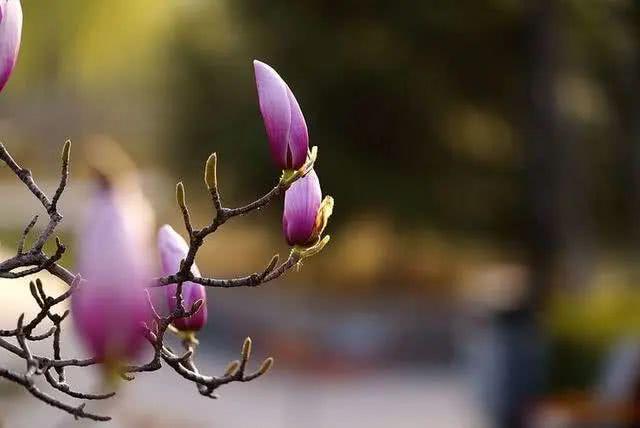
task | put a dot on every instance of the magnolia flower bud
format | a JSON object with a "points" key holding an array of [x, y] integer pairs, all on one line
{"points": [[173, 249], [283, 119], [10, 33], [110, 307], [305, 214]]}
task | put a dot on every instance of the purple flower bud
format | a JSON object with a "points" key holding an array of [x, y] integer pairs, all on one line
{"points": [[110, 307], [301, 204], [283, 119], [173, 249], [10, 33]]}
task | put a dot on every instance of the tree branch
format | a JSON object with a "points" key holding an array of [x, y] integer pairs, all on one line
{"points": [[34, 260]]}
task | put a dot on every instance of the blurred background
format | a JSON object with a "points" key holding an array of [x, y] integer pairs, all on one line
{"points": [[485, 161]]}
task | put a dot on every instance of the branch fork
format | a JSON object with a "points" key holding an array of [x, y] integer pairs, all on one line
{"points": [[33, 260]]}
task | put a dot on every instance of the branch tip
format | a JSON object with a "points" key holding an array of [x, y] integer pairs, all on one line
{"points": [[265, 366], [66, 151], [180, 198], [211, 172], [246, 349], [232, 368]]}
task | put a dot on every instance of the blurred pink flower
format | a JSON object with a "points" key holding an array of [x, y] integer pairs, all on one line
{"points": [[109, 309], [10, 33]]}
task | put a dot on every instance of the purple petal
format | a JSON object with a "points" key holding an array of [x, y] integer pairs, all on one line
{"points": [[10, 34], [173, 249], [298, 134], [301, 203], [110, 307], [276, 110]]}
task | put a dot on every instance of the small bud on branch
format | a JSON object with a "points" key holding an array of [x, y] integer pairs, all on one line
{"points": [[246, 349], [265, 366], [180, 196], [211, 172], [232, 368]]}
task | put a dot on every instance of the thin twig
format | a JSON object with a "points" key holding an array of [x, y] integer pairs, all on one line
{"points": [[25, 233], [34, 260], [27, 383]]}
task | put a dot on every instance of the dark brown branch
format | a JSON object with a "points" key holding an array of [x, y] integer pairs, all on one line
{"points": [[43, 336], [181, 199], [260, 203], [57, 356], [35, 257], [63, 387], [35, 260], [25, 233], [40, 262], [222, 214], [156, 338], [64, 176], [234, 373], [259, 278], [25, 176], [27, 383], [47, 262]]}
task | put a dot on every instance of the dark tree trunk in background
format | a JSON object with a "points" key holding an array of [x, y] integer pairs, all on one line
{"points": [[555, 229], [630, 114], [625, 94], [524, 363], [542, 149], [558, 232], [633, 119]]}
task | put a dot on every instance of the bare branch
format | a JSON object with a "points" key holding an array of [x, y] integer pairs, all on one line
{"points": [[64, 175], [27, 383], [25, 176], [63, 387], [25, 233], [34, 260], [234, 373], [197, 237], [211, 180], [255, 279], [180, 198]]}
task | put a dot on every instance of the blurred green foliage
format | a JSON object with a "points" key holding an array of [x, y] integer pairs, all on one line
{"points": [[417, 107], [379, 84]]}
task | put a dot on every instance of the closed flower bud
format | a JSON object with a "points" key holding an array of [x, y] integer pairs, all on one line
{"points": [[283, 119], [173, 249], [10, 33], [110, 307], [305, 213]]}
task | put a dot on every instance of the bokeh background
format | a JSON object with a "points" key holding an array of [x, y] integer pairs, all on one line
{"points": [[485, 161]]}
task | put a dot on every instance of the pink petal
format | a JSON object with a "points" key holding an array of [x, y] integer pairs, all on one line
{"points": [[10, 34], [301, 203], [275, 109]]}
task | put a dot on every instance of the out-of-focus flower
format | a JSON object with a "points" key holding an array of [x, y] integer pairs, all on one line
{"points": [[173, 249], [109, 160], [109, 309], [10, 33], [283, 119], [305, 213]]}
